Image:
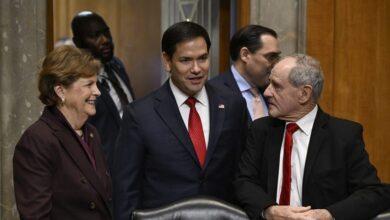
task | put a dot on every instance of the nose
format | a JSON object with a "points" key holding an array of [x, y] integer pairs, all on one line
{"points": [[104, 39], [195, 67], [95, 90], [267, 92]]}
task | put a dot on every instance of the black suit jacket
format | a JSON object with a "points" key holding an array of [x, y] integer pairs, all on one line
{"points": [[155, 162], [53, 176], [226, 81], [337, 175], [107, 119]]}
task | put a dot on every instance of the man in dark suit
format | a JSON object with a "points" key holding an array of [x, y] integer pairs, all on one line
{"points": [[325, 175], [253, 50], [185, 138], [91, 32]]}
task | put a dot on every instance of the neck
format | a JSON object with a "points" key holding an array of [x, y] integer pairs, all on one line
{"points": [[241, 70], [75, 120], [299, 113]]}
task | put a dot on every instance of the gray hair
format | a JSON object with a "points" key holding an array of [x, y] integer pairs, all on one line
{"points": [[307, 72]]}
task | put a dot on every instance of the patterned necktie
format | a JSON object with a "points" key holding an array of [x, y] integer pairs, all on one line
{"points": [[196, 131], [257, 105], [117, 87], [286, 184]]}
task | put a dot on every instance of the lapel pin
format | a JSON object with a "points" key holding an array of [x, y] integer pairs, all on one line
{"points": [[221, 106]]}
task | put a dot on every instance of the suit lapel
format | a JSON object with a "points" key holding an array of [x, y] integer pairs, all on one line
{"points": [[318, 136], [76, 152], [74, 148], [231, 82], [217, 114], [275, 144], [106, 98], [166, 108]]}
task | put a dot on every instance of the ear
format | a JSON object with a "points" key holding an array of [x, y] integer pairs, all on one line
{"points": [[244, 54], [167, 61], [305, 94], [59, 90]]}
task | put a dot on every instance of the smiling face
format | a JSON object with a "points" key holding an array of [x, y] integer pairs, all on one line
{"points": [[79, 99], [189, 65]]}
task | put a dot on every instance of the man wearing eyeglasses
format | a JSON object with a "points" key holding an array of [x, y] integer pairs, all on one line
{"points": [[253, 50]]}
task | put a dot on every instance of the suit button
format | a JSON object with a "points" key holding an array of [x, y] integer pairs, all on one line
{"points": [[92, 205], [84, 180], [107, 173]]}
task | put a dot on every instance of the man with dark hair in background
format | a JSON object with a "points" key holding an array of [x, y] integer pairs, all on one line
{"points": [[91, 32], [253, 50]]}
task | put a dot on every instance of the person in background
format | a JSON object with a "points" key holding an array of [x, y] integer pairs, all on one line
{"points": [[91, 32], [253, 50], [60, 171], [302, 163], [185, 138]]}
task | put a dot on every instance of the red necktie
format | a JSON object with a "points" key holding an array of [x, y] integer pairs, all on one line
{"points": [[286, 184], [196, 131]]}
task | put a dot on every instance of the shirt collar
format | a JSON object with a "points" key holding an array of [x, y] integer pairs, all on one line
{"points": [[181, 97], [306, 122], [243, 85]]}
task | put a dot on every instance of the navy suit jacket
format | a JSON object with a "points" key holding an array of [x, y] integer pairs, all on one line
{"points": [[338, 175], [226, 81], [155, 162], [107, 119]]}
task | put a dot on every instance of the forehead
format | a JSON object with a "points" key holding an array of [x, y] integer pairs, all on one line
{"points": [[190, 47], [94, 25], [270, 43], [282, 68]]}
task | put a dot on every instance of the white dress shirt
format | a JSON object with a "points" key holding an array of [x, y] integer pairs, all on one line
{"points": [[103, 76], [202, 107], [301, 140]]}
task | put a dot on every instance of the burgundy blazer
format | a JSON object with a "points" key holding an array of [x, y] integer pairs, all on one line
{"points": [[53, 176]]}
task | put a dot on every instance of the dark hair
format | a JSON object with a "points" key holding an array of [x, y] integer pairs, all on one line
{"points": [[63, 66], [180, 32], [248, 37], [83, 19]]}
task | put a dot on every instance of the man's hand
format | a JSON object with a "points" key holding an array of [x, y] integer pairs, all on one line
{"points": [[277, 212], [319, 214]]}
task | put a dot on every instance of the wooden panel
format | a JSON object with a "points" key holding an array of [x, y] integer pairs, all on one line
{"points": [[320, 44], [224, 36], [135, 27], [243, 13], [354, 51]]}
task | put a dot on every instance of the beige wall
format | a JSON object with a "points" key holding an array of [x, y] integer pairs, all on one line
{"points": [[135, 27]]}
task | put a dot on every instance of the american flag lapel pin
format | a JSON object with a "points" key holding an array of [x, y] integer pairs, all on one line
{"points": [[221, 106]]}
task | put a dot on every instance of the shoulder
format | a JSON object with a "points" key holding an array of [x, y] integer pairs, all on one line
{"points": [[226, 94], [265, 123], [115, 60], [220, 79], [340, 126]]}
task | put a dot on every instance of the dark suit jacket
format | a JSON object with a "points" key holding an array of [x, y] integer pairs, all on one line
{"points": [[226, 81], [337, 175], [53, 177], [155, 162], [107, 119]]}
